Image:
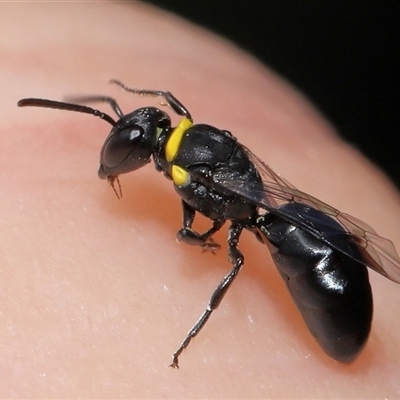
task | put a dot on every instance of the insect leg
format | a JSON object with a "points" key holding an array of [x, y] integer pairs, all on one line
{"points": [[171, 100], [237, 259], [189, 236]]}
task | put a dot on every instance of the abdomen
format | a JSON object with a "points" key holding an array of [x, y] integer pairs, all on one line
{"points": [[330, 289]]}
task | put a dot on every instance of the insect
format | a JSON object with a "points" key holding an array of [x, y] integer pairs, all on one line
{"points": [[321, 253]]}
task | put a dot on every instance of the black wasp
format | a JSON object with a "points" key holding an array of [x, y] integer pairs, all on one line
{"points": [[322, 254]]}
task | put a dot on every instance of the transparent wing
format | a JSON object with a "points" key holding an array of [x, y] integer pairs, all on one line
{"points": [[380, 254]]}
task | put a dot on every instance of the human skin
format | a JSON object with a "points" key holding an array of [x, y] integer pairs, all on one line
{"points": [[95, 292]]}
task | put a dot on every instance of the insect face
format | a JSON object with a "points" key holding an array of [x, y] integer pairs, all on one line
{"points": [[132, 141]]}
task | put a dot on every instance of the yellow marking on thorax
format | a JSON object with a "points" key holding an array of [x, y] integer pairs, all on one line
{"points": [[175, 139], [179, 175]]}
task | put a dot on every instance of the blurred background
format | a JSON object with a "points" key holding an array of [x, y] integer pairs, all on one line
{"points": [[343, 55]]}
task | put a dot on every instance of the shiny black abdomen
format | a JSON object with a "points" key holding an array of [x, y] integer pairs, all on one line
{"points": [[330, 289]]}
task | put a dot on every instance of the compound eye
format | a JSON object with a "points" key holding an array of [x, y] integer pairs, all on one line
{"points": [[120, 145]]}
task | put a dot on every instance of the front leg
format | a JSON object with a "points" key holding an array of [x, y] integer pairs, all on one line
{"points": [[189, 236]]}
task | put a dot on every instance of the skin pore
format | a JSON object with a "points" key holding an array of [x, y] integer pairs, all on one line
{"points": [[96, 294]]}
